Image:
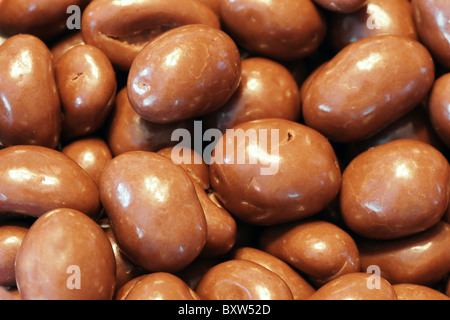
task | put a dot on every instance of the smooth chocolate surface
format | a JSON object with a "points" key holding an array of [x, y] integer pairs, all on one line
{"points": [[186, 72], [395, 190]]}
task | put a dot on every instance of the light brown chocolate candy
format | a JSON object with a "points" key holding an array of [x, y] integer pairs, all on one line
{"points": [[408, 291], [65, 255], [281, 30], [439, 112], [184, 73], [87, 86], [35, 179], [193, 163], [341, 6], [395, 190], [306, 245], [367, 86], [213, 4], [242, 280], [125, 269], [356, 286], [272, 171], [29, 100], [127, 131], [267, 90], [45, 19], [91, 153], [420, 259], [159, 286], [122, 28], [11, 236], [376, 17], [300, 288], [65, 44], [432, 20], [154, 211], [221, 227], [414, 125]]}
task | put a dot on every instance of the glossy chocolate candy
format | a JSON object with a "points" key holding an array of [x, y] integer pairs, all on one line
{"points": [[356, 286], [128, 131], [65, 255], [367, 86], [272, 171], [184, 73], [376, 17], [300, 288], [29, 100], [91, 153], [267, 90], [395, 190], [45, 19], [158, 286], [432, 20], [307, 244], [281, 30], [35, 179], [154, 211], [421, 259], [11, 236], [341, 6], [439, 112], [87, 86], [122, 28], [407, 291], [242, 280]]}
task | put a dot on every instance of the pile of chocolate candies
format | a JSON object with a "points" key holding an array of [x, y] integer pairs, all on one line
{"points": [[114, 118]]}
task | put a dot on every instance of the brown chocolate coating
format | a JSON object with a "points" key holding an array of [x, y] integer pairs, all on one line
{"points": [[221, 227], [420, 259], [213, 4], [121, 29], [267, 90], [154, 211], [193, 163], [376, 17], [408, 291], [11, 236], [44, 19], [159, 286], [278, 29], [126, 270], [438, 103], [193, 273], [65, 255], [395, 190], [91, 153], [87, 86], [127, 131], [306, 245], [65, 44], [369, 84], [300, 288], [35, 179], [242, 280], [301, 175], [184, 73], [432, 20], [354, 286], [415, 125], [341, 6], [29, 100]]}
